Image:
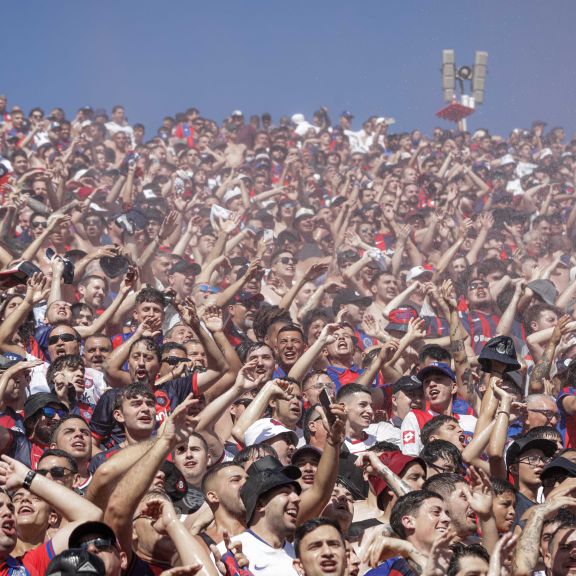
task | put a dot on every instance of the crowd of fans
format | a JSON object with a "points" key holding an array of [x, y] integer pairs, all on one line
{"points": [[279, 348]]}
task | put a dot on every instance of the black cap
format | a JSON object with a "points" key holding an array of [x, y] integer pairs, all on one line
{"points": [[247, 297], [406, 383], [76, 562], [185, 268], [521, 445], [347, 256], [38, 401], [500, 349], [90, 529], [349, 296], [559, 465], [264, 475]]}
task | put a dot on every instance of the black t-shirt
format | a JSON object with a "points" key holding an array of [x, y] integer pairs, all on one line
{"points": [[168, 395]]}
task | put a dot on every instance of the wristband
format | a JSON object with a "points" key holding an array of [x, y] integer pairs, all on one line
{"points": [[28, 480], [502, 412]]}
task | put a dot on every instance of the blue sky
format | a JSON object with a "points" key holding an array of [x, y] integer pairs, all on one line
{"points": [[371, 57]]}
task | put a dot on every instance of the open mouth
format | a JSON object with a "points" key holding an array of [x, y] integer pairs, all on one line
{"points": [[9, 528], [308, 478], [24, 510], [79, 445], [292, 512]]}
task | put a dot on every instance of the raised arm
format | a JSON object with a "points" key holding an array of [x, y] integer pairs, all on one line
{"points": [[136, 482]]}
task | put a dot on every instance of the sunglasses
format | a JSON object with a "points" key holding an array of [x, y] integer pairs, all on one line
{"points": [[243, 402], [39, 224], [50, 412], [288, 260], [478, 285], [101, 544], [174, 360], [63, 337], [207, 288], [57, 472]]}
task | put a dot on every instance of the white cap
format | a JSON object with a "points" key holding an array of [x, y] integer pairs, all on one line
{"points": [[544, 153], [479, 134], [303, 213], [237, 113], [507, 159], [264, 429], [231, 194], [418, 271], [298, 118]]}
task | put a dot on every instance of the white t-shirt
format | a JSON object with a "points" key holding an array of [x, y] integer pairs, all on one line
{"points": [[263, 559], [93, 379], [374, 433], [410, 431]]}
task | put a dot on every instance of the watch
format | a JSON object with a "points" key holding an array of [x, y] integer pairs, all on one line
{"points": [[28, 480]]}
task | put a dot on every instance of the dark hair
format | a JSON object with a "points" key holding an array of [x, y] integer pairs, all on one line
{"points": [[77, 307], [433, 426], [72, 361], [383, 446], [409, 504], [63, 421], [544, 433], [435, 449], [462, 551], [150, 345], [171, 346], [500, 486], [434, 351], [444, 484], [350, 389], [316, 314], [251, 346], [292, 328], [311, 525], [151, 295], [532, 313], [67, 324], [256, 450], [266, 317], [60, 454], [211, 473], [132, 391]]}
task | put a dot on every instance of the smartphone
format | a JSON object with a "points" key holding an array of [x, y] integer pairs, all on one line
{"points": [[325, 400]]}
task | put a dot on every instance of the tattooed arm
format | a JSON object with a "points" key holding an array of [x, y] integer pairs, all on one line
{"points": [[528, 549], [542, 369]]}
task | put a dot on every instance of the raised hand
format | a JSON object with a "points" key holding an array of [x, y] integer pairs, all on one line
{"points": [[168, 226], [188, 313], [315, 271], [416, 329], [37, 288], [213, 319], [502, 556], [161, 512], [479, 495], [181, 423], [12, 473]]}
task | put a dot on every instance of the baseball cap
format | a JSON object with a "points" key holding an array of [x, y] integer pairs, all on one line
{"points": [[40, 400], [434, 368], [90, 529], [265, 475], [247, 297], [347, 114], [76, 562], [406, 383], [559, 465], [303, 213], [349, 296], [418, 271], [521, 445], [397, 462], [231, 194], [265, 429], [347, 256], [185, 268], [237, 113]]}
